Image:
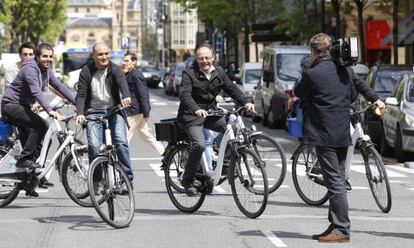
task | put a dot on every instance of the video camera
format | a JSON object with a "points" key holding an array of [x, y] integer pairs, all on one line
{"points": [[345, 51]]}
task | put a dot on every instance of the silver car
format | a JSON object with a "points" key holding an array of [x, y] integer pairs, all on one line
{"points": [[398, 121]]}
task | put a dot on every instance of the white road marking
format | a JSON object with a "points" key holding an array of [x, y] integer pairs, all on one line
{"points": [[37, 190], [139, 159], [219, 189], [159, 103], [284, 186], [361, 169], [273, 238], [359, 187], [403, 169], [157, 169]]}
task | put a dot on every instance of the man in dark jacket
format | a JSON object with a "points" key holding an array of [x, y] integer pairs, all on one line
{"points": [[99, 87], [327, 91], [138, 113], [200, 85], [16, 103]]}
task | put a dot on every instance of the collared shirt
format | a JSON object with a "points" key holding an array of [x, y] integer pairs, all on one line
{"points": [[208, 75]]}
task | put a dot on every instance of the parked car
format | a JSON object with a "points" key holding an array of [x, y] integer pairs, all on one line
{"points": [[280, 70], [151, 75], [250, 75], [398, 121], [383, 79]]}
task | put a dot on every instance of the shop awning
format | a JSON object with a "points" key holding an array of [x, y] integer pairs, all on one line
{"points": [[405, 31]]}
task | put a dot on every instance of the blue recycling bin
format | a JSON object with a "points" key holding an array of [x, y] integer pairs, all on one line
{"points": [[294, 127]]}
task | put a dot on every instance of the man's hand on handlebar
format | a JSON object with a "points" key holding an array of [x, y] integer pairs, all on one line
{"points": [[250, 107], [126, 102], [80, 119], [380, 104], [201, 113], [36, 107], [56, 115]]}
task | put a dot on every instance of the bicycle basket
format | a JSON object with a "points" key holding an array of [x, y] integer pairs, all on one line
{"points": [[5, 131], [169, 130]]}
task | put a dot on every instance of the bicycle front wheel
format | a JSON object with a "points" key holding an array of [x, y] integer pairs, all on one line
{"points": [[113, 186], [377, 178], [307, 176], [9, 190], [273, 159], [174, 165], [248, 181], [75, 178]]}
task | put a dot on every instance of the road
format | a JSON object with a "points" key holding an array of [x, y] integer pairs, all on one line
{"points": [[53, 220]]}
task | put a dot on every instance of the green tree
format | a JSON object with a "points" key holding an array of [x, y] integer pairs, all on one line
{"points": [[34, 20]]}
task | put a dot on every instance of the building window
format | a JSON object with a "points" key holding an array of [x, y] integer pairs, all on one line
{"points": [[190, 42], [88, 10], [175, 42], [75, 38], [182, 42]]}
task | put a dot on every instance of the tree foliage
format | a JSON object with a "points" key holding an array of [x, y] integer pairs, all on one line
{"points": [[32, 20]]}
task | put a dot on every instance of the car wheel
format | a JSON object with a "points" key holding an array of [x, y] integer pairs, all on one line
{"points": [[264, 120], [400, 154], [271, 122]]}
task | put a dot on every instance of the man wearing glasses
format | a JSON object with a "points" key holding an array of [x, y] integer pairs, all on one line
{"points": [[201, 83]]}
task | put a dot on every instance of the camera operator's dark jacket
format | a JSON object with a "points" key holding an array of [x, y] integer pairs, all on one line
{"points": [[328, 91], [115, 79], [197, 92]]}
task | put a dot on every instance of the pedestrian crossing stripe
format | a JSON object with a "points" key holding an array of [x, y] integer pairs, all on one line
{"points": [[157, 169], [390, 173], [403, 169], [159, 104]]}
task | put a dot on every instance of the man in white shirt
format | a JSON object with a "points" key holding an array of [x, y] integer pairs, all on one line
{"points": [[26, 51]]}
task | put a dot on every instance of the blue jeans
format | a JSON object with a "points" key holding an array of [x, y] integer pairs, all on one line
{"points": [[208, 151], [96, 133]]}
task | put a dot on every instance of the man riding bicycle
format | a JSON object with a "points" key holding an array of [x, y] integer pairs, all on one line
{"points": [[201, 83], [16, 104]]}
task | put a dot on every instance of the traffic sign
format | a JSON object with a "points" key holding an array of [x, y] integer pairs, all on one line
{"points": [[125, 42], [219, 44]]}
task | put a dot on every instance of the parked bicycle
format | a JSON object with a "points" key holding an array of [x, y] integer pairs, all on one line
{"points": [[13, 179], [307, 174], [247, 176], [115, 205]]}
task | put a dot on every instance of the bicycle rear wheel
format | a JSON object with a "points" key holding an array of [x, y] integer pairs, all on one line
{"points": [[118, 206], [377, 178], [75, 179], [307, 176], [174, 165], [273, 159], [248, 181]]}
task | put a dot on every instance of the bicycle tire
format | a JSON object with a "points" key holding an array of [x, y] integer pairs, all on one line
{"points": [[114, 201], [173, 170], [273, 159], [377, 178], [8, 191], [76, 185], [313, 191], [248, 177]]}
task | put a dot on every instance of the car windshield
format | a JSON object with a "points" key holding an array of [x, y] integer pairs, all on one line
{"points": [[253, 76], [288, 66], [386, 81], [410, 91]]}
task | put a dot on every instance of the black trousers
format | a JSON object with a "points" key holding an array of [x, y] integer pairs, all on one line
{"points": [[198, 144], [32, 127], [332, 161]]}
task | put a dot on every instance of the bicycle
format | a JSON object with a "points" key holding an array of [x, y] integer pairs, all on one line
{"points": [[12, 180], [246, 176], [307, 174], [111, 203]]}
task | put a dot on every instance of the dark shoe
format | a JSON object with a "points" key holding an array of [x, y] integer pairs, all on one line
{"points": [[44, 183], [96, 189], [225, 171], [27, 164], [334, 238], [326, 232], [190, 187], [124, 190], [348, 185]]}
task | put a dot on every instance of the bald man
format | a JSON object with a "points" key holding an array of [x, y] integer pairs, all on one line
{"points": [[101, 87]]}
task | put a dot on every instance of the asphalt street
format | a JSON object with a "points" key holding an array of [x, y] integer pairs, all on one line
{"points": [[53, 220]]}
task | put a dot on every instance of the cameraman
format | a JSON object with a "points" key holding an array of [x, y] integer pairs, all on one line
{"points": [[328, 90]]}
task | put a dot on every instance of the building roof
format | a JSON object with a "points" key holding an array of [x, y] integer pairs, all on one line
{"points": [[87, 2], [90, 22]]}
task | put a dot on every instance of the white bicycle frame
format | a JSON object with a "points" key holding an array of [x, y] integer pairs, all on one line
{"points": [[228, 136]]}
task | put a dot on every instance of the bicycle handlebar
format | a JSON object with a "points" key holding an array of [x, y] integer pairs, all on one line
{"points": [[109, 113], [220, 111], [364, 109]]}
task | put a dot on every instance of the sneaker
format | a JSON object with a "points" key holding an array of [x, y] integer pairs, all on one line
{"points": [[27, 164], [124, 190], [96, 189], [348, 185]]}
